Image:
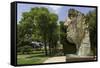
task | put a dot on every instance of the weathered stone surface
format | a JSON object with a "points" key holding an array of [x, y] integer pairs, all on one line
{"points": [[77, 32]]}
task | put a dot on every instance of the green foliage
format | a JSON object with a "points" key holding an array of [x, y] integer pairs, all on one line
{"points": [[91, 21], [68, 48], [38, 25], [62, 32], [25, 49]]}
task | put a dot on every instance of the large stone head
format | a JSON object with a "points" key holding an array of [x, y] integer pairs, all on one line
{"points": [[75, 26], [77, 31], [72, 15]]}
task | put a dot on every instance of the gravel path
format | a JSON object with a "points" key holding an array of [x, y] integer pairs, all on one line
{"points": [[56, 59]]}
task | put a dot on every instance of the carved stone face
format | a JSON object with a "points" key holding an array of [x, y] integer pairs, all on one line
{"points": [[77, 32], [72, 14], [75, 26]]}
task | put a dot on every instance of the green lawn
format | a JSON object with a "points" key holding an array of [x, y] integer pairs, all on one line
{"points": [[35, 58]]}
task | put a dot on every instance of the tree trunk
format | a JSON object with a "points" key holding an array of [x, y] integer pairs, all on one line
{"points": [[45, 46]]}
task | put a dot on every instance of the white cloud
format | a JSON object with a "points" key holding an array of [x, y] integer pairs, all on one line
{"points": [[55, 8]]}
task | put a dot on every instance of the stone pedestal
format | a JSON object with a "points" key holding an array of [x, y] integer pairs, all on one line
{"points": [[73, 57]]}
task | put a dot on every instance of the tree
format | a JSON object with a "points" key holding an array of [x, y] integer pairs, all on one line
{"points": [[47, 22], [91, 21], [37, 25], [52, 33], [25, 28]]}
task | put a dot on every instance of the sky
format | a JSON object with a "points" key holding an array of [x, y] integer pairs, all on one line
{"points": [[61, 11]]}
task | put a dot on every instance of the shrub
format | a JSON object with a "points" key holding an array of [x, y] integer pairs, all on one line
{"points": [[25, 49]]}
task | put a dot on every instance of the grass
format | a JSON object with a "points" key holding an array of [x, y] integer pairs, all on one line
{"points": [[35, 58]]}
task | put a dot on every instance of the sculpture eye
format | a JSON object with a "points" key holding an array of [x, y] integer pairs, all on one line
{"points": [[69, 15]]}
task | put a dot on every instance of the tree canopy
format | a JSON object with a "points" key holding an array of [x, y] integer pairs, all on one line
{"points": [[38, 25]]}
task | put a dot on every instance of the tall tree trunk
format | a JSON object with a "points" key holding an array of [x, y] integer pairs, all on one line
{"points": [[45, 45], [49, 47]]}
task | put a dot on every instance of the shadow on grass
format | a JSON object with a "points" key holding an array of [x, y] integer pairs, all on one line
{"points": [[36, 55]]}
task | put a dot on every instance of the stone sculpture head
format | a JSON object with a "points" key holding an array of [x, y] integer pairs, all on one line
{"points": [[75, 24], [77, 31]]}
